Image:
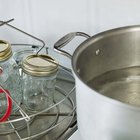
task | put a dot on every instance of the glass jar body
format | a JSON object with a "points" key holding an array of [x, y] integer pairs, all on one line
{"points": [[38, 91], [10, 80]]}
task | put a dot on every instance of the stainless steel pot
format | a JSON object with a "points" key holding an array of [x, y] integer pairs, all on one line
{"points": [[107, 73]]}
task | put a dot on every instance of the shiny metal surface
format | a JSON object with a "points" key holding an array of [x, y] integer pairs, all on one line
{"points": [[113, 55], [23, 32], [113, 49], [106, 69], [56, 122], [49, 124], [122, 85], [39, 65], [5, 50], [65, 40]]}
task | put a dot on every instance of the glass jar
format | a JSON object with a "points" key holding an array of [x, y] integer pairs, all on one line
{"points": [[20, 54], [38, 81], [9, 76]]}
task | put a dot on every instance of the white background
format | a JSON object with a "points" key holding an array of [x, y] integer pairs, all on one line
{"points": [[49, 20]]}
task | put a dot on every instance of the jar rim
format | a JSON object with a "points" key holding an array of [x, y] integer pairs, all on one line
{"points": [[39, 65], [5, 50]]}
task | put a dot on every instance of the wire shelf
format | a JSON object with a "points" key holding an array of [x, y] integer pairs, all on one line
{"points": [[54, 121]]}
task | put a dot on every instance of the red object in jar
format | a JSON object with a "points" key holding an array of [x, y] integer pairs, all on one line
{"points": [[9, 105]]}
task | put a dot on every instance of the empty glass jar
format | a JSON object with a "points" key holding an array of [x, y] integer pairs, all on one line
{"points": [[9, 77], [38, 81], [21, 53]]}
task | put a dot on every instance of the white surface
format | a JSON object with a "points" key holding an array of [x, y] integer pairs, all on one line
{"points": [[50, 20], [75, 136]]}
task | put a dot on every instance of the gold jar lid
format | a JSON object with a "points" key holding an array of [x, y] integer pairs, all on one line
{"points": [[39, 65], [5, 50]]}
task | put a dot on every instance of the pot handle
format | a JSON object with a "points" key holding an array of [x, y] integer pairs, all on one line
{"points": [[65, 40]]}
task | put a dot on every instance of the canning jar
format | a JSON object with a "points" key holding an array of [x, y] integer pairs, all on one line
{"points": [[9, 77], [38, 81], [20, 54]]}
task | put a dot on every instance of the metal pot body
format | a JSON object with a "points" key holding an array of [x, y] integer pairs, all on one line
{"points": [[115, 113], [100, 118]]}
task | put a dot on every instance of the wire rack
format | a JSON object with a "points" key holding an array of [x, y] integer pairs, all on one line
{"points": [[54, 121]]}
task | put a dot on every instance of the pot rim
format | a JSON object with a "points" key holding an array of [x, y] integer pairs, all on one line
{"points": [[92, 40]]}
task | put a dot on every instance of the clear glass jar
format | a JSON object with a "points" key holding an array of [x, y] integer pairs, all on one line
{"points": [[9, 75], [38, 81], [20, 54]]}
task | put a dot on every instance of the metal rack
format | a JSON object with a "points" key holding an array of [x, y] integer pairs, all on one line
{"points": [[51, 123]]}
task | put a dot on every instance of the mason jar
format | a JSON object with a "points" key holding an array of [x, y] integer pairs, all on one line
{"points": [[21, 53], [24, 51], [9, 77], [38, 81]]}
